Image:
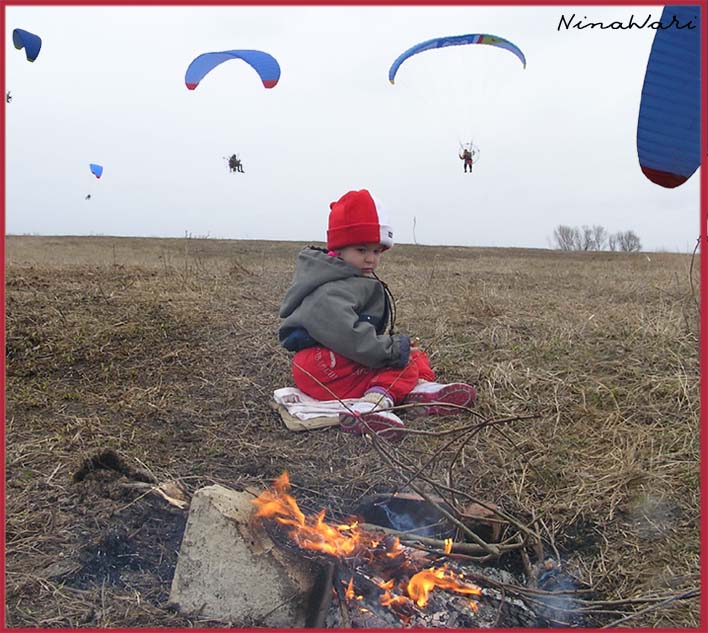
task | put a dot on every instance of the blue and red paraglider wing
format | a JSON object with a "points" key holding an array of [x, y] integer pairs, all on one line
{"points": [[455, 40], [264, 64], [29, 41], [96, 170], [669, 124]]}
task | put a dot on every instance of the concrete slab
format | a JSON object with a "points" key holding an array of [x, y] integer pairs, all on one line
{"points": [[231, 571]]}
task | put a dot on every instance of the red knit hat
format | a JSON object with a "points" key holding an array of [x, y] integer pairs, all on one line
{"points": [[356, 218]]}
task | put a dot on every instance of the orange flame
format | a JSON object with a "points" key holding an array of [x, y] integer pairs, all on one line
{"points": [[395, 548], [387, 599], [314, 533], [386, 585], [422, 583], [308, 533], [349, 593]]}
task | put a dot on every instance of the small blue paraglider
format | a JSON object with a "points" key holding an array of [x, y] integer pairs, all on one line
{"points": [[29, 41], [96, 170]]}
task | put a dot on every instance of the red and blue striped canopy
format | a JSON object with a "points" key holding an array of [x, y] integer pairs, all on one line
{"points": [[264, 64], [669, 124]]}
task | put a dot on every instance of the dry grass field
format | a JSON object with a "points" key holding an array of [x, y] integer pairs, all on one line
{"points": [[136, 360]]}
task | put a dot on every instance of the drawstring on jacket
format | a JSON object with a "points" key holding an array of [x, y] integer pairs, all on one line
{"points": [[390, 302]]}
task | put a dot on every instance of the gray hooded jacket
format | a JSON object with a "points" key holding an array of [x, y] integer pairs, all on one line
{"points": [[331, 303]]}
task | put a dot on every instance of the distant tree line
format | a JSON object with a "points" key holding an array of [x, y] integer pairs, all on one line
{"points": [[595, 238]]}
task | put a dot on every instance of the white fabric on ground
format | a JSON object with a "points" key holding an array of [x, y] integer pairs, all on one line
{"points": [[304, 407]]}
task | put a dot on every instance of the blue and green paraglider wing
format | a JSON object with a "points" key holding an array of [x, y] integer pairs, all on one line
{"points": [[96, 170], [454, 40], [264, 64], [669, 124], [29, 41]]}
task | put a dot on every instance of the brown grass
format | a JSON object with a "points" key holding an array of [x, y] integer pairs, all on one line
{"points": [[165, 352]]}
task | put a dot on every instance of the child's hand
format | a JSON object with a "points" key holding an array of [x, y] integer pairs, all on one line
{"points": [[415, 341]]}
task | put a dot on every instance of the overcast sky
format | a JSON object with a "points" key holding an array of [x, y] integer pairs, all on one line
{"points": [[557, 140]]}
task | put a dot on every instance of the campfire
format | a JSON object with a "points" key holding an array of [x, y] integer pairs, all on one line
{"points": [[373, 575]]}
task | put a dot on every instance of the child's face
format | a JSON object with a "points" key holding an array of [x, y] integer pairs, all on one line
{"points": [[365, 257]]}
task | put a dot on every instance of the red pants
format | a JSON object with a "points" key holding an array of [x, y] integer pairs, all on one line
{"points": [[325, 375]]}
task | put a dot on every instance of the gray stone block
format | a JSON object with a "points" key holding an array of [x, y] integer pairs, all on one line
{"points": [[231, 571]]}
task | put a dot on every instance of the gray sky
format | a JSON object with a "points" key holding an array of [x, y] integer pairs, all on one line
{"points": [[557, 140]]}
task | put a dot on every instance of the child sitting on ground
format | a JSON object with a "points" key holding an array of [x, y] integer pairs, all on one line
{"points": [[335, 315]]}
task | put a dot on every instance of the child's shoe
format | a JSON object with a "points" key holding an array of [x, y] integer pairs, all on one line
{"points": [[434, 395], [368, 416]]}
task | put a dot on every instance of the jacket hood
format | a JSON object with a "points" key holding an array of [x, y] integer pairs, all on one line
{"points": [[314, 268]]}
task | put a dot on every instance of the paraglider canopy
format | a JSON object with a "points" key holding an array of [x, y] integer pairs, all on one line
{"points": [[669, 124], [29, 41], [96, 170], [455, 40], [264, 64], [469, 97]]}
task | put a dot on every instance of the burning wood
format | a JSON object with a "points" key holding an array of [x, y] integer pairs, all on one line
{"points": [[372, 568]]}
